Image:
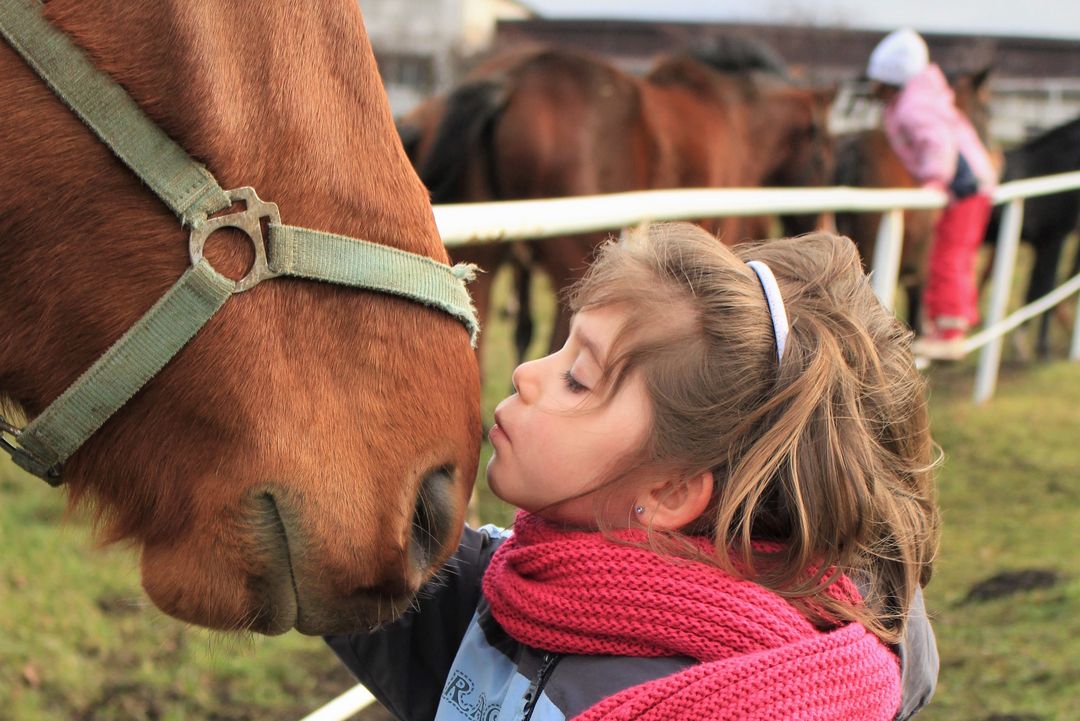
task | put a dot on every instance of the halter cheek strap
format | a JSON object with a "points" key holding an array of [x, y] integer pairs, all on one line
{"points": [[776, 305]]}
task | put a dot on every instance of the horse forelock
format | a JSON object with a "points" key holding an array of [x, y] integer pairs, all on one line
{"points": [[12, 411]]}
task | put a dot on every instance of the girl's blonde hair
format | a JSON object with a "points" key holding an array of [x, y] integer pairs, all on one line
{"points": [[828, 452]]}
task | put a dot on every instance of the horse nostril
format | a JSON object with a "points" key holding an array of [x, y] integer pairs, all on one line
{"points": [[431, 524]]}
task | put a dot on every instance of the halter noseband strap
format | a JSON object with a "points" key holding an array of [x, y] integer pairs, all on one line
{"points": [[193, 194]]}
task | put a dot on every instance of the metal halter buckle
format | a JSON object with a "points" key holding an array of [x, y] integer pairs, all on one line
{"points": [[26, 460], [249, 221], [10, 430]]}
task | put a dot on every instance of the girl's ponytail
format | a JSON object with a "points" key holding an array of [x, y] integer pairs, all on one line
{"points": [[839, 466]]}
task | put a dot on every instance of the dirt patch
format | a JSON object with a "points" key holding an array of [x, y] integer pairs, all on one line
{"points": [[1060, 487], [125, 700], [48, 514], [1008, 583], [119, 605]]}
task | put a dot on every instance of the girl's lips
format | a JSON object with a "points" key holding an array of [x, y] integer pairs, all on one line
{"points": [[497, 430]]}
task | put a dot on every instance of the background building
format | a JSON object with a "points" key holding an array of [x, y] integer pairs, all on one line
{"points": [[421, 44], [1032, 18], [1035, 82], [425, 46]]}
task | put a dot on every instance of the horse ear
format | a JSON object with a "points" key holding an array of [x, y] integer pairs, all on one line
{"points": [[979, 78]]}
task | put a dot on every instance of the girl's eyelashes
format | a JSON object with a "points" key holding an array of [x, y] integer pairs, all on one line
{"points": [[572, 383]]}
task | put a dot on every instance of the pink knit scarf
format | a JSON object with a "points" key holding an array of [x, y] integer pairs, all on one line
{"points": [[580, 593]]}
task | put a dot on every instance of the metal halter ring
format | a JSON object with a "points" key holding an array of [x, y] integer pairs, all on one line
{"points": [[249, 221]]}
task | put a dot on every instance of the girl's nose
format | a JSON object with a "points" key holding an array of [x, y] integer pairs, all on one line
{"points": [[525, 381]]}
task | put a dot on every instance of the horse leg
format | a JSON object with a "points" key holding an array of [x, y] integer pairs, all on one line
{"points": [[524, 328], [1064, 311], [914, 306], [566, 260], [1043, 280], [732, 230]]}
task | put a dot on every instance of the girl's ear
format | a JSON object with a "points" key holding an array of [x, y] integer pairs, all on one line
{"points": [[671, 505]]}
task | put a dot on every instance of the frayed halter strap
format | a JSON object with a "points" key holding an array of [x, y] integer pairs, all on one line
{"points": [[776, 305], [191, 192]]}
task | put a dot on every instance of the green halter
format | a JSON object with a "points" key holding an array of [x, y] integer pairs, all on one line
{"points": [[193, 194]]}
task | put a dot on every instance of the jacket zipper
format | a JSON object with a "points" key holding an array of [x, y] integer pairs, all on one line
{"points": [[547, 665]]}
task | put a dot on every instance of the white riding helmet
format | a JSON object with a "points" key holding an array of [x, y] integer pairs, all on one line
{"points": [[898, 58]]}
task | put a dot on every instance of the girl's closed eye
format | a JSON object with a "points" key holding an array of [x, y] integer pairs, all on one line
{"points": [[572, 383]]}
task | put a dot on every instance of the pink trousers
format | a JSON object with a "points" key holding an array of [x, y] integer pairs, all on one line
{"points": [[950, 286]]}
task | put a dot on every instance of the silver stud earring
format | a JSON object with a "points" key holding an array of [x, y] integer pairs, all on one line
{"points": [[639, 510]]}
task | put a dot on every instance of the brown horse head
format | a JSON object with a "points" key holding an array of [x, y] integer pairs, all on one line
{"points": [[807, 155], [778, 130], [971, 93], [306, 460], [810, 158], [788, 124]]}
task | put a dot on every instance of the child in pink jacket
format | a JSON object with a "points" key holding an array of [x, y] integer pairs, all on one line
{"points": [[940, 148]]}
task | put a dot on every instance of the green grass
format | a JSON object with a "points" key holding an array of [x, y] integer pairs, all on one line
{"points": [[78, 640], [1010, 499]]}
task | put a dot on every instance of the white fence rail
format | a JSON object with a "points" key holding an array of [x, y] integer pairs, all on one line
{"points": [[509, 220], [515, 219], [485, 222]]}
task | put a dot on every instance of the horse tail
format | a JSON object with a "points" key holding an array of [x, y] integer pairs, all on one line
{"points": [[411, 136], [464, 134], [465, 137]]}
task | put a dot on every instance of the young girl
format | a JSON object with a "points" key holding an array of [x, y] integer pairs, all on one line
{"points": [[727, 507], [941, 150]]}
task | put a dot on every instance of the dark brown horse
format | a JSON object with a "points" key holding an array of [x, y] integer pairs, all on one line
{"points": [[865, 160], [1048, 219], [306, 460], [550, 123]]}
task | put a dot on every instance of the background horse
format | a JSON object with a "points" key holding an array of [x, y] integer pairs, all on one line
{"points": [[866, 160], [1048, 219], [552, 123], [306, 460]]}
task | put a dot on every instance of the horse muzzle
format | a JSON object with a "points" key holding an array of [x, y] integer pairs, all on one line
{"points": [[310, 581]]}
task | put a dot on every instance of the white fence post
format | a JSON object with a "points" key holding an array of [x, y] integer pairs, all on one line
{"points": [[344, 706], [1074, 348], [1008, 241], [886, 268]]}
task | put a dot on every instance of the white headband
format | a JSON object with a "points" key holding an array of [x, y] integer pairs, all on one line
{"points": [[775, 303]]}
